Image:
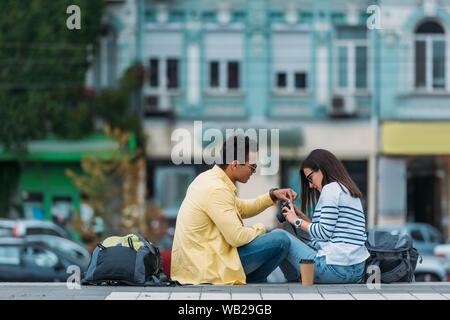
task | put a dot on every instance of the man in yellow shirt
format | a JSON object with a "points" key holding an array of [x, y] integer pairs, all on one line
{"points": [[211, 243]]}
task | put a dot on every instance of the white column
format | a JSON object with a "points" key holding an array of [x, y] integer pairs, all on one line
{"points": [[322, 74], [193, 74]]}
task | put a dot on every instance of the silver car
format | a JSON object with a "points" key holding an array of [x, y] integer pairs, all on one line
{"points": [[443, 251], [23, 227], [67, 247]]}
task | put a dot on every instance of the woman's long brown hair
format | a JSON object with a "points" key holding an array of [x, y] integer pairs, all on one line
{"points": [[333, 171]]}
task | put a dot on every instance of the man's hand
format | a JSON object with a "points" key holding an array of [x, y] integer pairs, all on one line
{"points": [[284, 194]]}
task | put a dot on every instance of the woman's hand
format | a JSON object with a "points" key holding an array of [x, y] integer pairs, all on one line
{"points": [[301, 214], [289, 213]]}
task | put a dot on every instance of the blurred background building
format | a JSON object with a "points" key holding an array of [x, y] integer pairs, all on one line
{"points": [[367, 80]]}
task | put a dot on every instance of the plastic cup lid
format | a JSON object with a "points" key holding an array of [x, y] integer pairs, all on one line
{"points": [[306, 261]]}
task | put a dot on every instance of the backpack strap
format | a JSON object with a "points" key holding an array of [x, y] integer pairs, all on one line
{"points": [[130, 243], [397, 273], [146, 243], [162, 281]]}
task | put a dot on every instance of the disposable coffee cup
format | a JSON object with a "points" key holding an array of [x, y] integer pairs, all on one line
{"points": [[307, 272]]}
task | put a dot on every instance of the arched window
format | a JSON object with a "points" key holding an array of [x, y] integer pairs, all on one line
{"points": [[105, 63], [429, 56]]}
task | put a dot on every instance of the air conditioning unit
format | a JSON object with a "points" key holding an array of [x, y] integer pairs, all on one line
{"points": [[157, 105], [343, 106], [151, 103]]}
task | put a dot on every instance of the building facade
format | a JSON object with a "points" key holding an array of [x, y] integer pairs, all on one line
{"points": [[414, 113], [363, 79]]}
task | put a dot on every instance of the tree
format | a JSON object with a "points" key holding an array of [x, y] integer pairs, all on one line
{"points": [[42, 70], [42, 75], [115, 188]]}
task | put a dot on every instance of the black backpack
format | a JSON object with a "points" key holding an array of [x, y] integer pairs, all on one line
{"points": [[128, 260], [393, 254]]}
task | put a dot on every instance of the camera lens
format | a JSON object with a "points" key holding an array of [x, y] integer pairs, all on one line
{"points": [[280, 215]]}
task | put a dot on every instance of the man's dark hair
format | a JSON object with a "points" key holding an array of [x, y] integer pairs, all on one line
{"points": [[234, 144]]}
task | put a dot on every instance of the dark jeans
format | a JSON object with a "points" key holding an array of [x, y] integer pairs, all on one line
{"points": [[261, 256]]}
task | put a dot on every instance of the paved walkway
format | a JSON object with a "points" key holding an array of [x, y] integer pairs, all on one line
{"points": [[273, 291]]}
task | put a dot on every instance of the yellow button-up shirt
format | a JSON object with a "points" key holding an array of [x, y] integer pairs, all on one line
{"points": [[209, 229]]}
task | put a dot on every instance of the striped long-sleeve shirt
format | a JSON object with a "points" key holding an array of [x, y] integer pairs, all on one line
{"points": [[338, 226]]}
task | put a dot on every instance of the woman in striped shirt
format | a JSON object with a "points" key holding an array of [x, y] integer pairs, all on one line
{"points": [[337, 227]]}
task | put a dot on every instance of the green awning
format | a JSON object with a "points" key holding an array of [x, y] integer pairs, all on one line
{"points": [[56, 149], [288, 137]]}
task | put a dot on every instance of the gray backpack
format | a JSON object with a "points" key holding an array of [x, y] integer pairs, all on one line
{"points": [[393, 254], [127, 260]]}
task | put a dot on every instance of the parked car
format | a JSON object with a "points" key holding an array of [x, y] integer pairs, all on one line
{"points": [[22, 227], [430, 269], [443, 251], [69, 247], [425, 238], [24, 261]]}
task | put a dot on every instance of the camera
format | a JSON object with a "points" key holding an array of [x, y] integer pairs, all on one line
{"points": [[280, 215]]}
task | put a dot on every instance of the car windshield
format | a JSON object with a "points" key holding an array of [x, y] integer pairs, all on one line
{"points": [[64, 250]]}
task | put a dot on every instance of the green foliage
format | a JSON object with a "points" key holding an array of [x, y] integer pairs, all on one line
{"points": [[9, 176], [43, 66], [42, 69], [133, 78]]}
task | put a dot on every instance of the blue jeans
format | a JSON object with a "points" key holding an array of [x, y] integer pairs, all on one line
{"points": [[262, 255], [323, 273], [328, 273], [298, 250]]}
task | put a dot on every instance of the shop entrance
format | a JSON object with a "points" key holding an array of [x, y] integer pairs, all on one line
{"points": [[426, 177]]}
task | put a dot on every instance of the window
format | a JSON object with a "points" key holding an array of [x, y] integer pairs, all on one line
{"points": [[38, 257], [171, 76], [224, 55], [300, 80], [342, 67], [10, 255], [351, 59], [291, 60], [281, 80], [154, 73], [417, 235], [172, 73], [361, 67], [214, 74], [105, 62], [61, 209], [171, 184], [233, 75], [162, 52], [33, 205], [219, 71], [51, 232], [429, 50], [434, 235]]}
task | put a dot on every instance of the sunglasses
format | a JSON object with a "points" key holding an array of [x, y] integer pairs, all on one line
{"points": [[251, 166], [308, 177]]}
